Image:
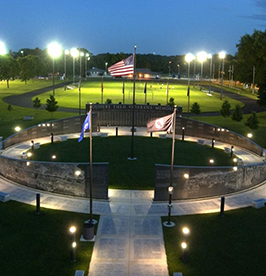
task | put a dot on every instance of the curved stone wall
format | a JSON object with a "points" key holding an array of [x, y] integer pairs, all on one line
{"points": [[57, 177], [206, 181]]}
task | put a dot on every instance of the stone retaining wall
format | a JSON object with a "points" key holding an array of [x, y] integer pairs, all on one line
{"points": [[57, 177], [206, 181]]}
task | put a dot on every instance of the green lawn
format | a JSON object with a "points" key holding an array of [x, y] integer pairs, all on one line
{"points": [[239, 127], [10, 119], [229, 246], [156, 93], [40, 245], [139, 174]]}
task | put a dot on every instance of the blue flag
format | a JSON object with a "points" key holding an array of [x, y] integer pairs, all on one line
{"points": [[86, 125]]}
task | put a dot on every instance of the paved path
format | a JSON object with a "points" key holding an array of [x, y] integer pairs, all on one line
{"points": [[129, 240]]}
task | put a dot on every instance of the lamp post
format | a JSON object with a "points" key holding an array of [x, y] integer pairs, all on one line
{"points": [[213, 142], [54, 50], [106, 63], [74, 53], [3, 50], [72, 231], [201, 57], [184, 255], [66, 53], [222, 56], [189, 57], [22, 53], [170, 191], [178, 71], [81, 54], [210, 82], [72, 252], [169, 66], [86, 64]]}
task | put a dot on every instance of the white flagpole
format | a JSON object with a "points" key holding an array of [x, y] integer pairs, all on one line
{"points": [[90, 164]]}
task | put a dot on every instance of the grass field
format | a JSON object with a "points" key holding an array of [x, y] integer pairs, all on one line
{"points": [[233, 245], [10, 119], [40, 245], [139, 174], [156, 93]]}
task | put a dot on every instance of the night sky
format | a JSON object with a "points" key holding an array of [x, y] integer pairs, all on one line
{"points": [[166, 27]]}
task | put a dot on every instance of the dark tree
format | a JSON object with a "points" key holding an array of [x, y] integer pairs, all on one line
{"points": [[237, 114], [8, 68], [225, 110], [37, 103], [195, 108], [262, 95], [252, 121], [171, 101], [51, 104]]}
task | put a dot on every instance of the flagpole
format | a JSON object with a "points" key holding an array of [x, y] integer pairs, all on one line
{"points": [[133, 108], [90, 164], [170, 188]]}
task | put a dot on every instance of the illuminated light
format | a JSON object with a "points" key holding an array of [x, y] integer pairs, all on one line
{"points": [[183, 128], [74, 52], [222, 129], [74, 244], [213, 140], [53, 156], [17, 128], [222, 55], [147, 76], [27, 163], [67, 52], [235, 168], [186, 175], [170, 189], [140, 75], [227, 130], [202, 56], [184, 245], [48, 125], [185, 231], [39, 125], [209, 56], [87, 54], [211, 161], [54, 50], [52, 124], [72, 229], [218, 129], [249, 135], [29, 154], [235, 160], [189, 57], [43, 125], [81, 54], [3, 50], [77, 173]]}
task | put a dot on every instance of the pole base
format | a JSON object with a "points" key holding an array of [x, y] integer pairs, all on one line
{"points": [[171, 224], [88, 231], [132, 158]]}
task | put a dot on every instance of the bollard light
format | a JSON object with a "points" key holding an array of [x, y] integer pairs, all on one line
{"points": [[213, 142], [249, 135], [17, 128], [185, 231], [72, 230], [72, 252], [29, 154], [53, 157], [186, 175], [232, 151], [211, 161], [77, 173], [184, 255], [235, 168]]}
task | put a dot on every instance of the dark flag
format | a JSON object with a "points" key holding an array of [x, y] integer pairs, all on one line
{"points": [[160, 124], [145, 88], [188, 91]]}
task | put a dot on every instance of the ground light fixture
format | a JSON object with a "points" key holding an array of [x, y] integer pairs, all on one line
{"points": [[184, 254], [77, 173], [53, 157], [3, 50], [72, 231], [234, 160], [54, 50], [17, 128], [186, 175], [73, 252], [185, 230], [29, 155], [211, 161], [249, 135], [235, 168]]}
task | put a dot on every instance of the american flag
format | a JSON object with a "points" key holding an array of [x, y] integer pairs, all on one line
{"points": [[122, 68]]}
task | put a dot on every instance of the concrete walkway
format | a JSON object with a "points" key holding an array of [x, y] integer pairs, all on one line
{"points": [[129, 241]]}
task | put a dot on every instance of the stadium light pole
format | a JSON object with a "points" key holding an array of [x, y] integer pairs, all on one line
{"points": [[210, 58], [3, 50], [86, 64], [54, 50], [201, 57], [169, 67], [222, 57], [81, 54], [189, 57], [66, 53], [106, 64], [74, 53]]}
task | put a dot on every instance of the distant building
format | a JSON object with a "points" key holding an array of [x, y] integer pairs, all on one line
{"points": [[94, 72], [144, 73]]}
